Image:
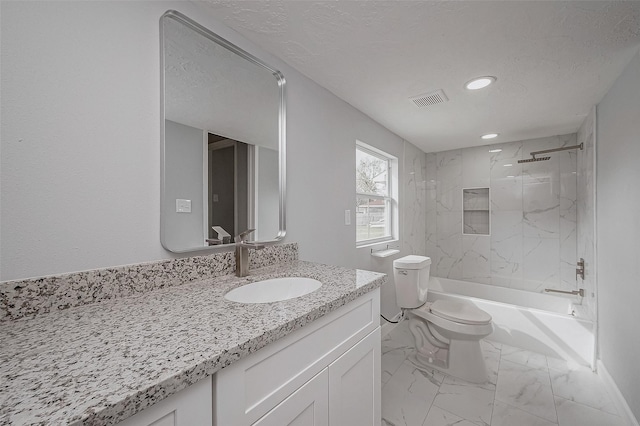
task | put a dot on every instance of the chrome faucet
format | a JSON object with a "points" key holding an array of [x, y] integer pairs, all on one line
{"points": [[242, 252]]}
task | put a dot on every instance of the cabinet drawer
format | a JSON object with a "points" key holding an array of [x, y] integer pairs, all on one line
{"points": [[249, 388]]}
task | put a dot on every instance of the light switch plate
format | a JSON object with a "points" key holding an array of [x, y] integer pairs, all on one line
{"points": [[183, 206], [347, 217]]}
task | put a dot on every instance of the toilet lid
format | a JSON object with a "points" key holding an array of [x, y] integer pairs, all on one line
{"points": [[464, 313]]}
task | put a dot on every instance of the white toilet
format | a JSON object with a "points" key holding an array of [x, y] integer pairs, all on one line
{"points": [[447, 333]]}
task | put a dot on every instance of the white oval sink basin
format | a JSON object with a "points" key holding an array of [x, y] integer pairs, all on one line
{"points": [[273, 290]]}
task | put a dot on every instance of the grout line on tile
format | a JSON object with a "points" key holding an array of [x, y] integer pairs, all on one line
{"points": [[529, 413], [553, 393], [495, 392]]}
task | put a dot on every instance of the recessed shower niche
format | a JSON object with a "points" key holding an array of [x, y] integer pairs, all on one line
{"points": [[475, 204]]}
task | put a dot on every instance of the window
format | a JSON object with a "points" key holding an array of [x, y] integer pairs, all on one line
{"points": [[374, 195]]}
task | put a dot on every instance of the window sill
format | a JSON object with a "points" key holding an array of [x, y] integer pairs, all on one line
{"points": [[384, 253], [372, 244]]}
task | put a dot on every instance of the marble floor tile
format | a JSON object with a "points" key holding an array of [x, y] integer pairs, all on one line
{"points": [[467, 400], [408, 395], [392, 359], [399, 336], [400, 407], [417, 381], [526, 388], [434, 375], [582, 386], [506, 415], [564, 365], [524, 357], [490, 345], [397, 345], [571, 413], [491, 351], [440, 417], [386, 327]]}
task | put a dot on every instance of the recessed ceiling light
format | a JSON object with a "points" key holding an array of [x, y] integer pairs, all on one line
{"points": [[508, 165], [489, 136], [495, 150], [479, 83]]}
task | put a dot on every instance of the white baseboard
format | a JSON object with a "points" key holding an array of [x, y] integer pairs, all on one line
{"points": [[618, 399], [386, 328]]}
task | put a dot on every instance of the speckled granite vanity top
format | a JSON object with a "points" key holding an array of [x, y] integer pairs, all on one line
{"points": [[100, 363]]}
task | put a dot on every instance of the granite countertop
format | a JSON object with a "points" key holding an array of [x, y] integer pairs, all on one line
{"points": [[100, 363]]}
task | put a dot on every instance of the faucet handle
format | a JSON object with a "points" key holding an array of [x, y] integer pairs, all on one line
{"points": [[240, 238]]}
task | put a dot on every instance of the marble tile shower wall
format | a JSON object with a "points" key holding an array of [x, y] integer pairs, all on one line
{"points": [[532, 241]]}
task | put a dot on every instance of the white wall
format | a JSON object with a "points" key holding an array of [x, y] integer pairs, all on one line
{"points": [[81, 142], [183, 180], [80, 136], [268, 194], [412, 192], [618, 231]]}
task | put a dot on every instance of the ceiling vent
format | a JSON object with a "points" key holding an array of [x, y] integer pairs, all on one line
{"points": [[428, 99]]}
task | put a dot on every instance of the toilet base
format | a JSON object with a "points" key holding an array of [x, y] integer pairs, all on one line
{"points": [[463, 359], [469, 367]]}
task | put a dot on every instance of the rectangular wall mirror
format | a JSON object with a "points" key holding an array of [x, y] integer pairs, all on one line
{"points": [[222, 141]]}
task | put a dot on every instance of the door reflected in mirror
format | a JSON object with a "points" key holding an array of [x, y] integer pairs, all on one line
{"points": [[240, 174], [223, 142]]}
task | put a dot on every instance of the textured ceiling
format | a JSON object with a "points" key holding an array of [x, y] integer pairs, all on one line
{"points": [[553, 60], [208, 87]]}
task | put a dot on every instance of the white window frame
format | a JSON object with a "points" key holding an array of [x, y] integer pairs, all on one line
{"points": [[391, 199]]}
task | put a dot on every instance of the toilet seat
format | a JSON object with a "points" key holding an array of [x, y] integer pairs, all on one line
{"points": [[464, 313], [448, 311]]}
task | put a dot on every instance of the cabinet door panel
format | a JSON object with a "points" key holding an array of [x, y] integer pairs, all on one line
{"points": [[189, 407], [168, 420], [354, 385], [252, 386], [308, 406]]}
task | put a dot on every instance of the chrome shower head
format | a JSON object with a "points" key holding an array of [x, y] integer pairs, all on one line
{"points": [[531, 160], [548, 151]]}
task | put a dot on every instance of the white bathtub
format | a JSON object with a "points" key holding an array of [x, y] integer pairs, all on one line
{"points": [[537, 322]]}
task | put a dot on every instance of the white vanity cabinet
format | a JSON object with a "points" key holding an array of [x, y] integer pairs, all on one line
{"points": [[307, 406], [326, 373], [189, 407], [354, 384]]}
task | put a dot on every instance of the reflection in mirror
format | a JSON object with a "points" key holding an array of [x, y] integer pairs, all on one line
{"points": [[239, 174], [222, 143]]}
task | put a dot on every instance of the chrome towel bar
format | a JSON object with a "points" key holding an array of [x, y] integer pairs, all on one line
{"points": [[579, 292]]}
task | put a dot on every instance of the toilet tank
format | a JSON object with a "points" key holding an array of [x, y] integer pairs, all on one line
{"points": [[411, 277]]}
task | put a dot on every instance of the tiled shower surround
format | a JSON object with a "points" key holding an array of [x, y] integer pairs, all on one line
{"points": [[532, 237]]}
